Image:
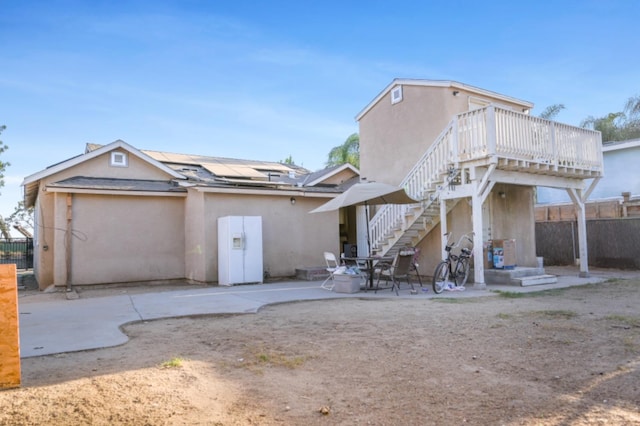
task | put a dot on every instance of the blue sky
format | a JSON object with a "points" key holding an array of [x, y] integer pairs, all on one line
{"points": [[265, 80]]}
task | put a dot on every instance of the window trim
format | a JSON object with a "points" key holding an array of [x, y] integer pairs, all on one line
{"points": [[396, 95], [119, 159]]}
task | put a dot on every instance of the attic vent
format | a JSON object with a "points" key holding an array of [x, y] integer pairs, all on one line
{"points": [[396, 95], [119, 159]]}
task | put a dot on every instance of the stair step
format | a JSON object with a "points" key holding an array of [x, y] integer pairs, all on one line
{"points": [[508, 276], [536, 280]]}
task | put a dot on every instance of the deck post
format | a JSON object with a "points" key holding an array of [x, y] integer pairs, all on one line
{"points": [[578, 202], [443, 227], [476, 218]]}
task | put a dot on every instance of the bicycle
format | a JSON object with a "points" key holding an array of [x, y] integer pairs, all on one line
{"points": [[455, 267]]}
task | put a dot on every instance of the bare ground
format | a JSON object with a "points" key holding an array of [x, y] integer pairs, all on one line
{"points": [[560, 357]]}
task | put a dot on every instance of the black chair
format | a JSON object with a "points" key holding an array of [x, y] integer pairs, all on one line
{"points": [[398, 270]]}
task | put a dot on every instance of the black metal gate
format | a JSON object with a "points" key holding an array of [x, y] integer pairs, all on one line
{"points": [[18, 251]]}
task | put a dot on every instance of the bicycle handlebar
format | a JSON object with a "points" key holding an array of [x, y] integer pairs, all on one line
{"points": [[466, 236]]}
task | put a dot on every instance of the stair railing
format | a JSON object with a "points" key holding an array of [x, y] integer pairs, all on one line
{"points": [[419, 184]]}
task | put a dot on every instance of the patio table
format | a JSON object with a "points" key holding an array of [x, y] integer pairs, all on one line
{"points": [[370, 262]]}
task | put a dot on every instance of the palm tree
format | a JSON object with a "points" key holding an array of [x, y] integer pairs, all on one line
{"points": [[618, 126], [551, 112], [348, 152]]}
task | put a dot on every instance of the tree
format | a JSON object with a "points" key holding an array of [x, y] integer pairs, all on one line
{"points": [[21, 218], [348, 152], [289, 161], [551, 112], [617, 126], [4, 228], [3, 164]]}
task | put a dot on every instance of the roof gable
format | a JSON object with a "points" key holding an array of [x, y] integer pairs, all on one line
{"points": [[96, 153], [31, 183], [325, 175], [441, 83]]}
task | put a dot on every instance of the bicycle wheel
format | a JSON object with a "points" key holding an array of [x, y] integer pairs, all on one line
{"points": [[462, 271], [440, 277]]}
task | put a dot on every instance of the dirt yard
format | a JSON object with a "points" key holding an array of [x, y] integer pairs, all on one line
{"points": [[561, 357]]}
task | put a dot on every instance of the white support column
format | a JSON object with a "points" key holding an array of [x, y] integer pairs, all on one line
{"points": [[578, 202], [476, 219], [443, 226], [362, 222]]}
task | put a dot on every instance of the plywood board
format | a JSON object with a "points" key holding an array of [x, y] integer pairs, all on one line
{"points": [[10, 337]]}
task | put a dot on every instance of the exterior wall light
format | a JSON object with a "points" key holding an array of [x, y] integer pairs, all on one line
{"points": [[293, 201], [456, 93]]}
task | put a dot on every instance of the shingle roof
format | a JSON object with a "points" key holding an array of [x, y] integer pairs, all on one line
{"points": [[190, 170], [83, 182]]}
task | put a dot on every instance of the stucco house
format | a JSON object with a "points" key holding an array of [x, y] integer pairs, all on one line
{"points": [[473, 157], [117, 214]]}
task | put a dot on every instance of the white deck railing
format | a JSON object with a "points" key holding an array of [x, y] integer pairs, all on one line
{"points": [[490, 133]]}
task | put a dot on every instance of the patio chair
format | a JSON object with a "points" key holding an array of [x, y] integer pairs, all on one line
{"points": [[398, 270], [332, 267], [414, 263]]}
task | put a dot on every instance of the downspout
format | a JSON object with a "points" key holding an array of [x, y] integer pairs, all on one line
{"points": [[67, 239]]}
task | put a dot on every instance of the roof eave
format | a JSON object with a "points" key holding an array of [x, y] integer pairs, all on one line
{"points": [[333, 173]]}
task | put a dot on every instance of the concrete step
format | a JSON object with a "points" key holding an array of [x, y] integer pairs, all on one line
{"points": [[507, 276], [535, 280], [312, 273]]}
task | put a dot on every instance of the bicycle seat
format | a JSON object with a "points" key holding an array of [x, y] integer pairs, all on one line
{"points": [[466, 251]]}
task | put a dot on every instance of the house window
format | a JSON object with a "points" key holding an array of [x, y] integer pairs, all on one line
{"points": [[119, 159], [396, 95]]}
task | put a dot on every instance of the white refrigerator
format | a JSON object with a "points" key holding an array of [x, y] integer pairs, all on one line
{"points": [[239, 250]]}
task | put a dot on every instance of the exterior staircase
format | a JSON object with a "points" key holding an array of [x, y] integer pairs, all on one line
{"points": [[395, 226], [495, 138]]}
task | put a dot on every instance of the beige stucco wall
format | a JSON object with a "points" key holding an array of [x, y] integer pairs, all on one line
{"points": [[292, 238], [127, 239], [394, 136], [197, 256], [51, 212], [43, 237], [513, 217]]}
